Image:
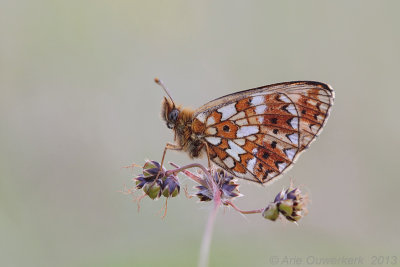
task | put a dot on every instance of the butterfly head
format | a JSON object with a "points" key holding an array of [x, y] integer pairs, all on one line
{"points": [[170, 113]]}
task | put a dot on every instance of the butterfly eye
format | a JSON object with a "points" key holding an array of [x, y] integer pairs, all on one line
{"points": [[173, 115]]}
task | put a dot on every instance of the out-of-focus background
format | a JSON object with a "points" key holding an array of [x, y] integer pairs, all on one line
{"points": [[78, 103]]}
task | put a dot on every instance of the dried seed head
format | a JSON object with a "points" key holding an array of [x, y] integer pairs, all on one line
{"points": [[153, 190], [225, 183], [291, 203], [170, 187], [155, 183], [152, 168], [294, 206], [150, 171]]}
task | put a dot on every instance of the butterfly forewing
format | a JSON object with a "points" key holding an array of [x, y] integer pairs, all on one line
{"points": [[257, 134]]}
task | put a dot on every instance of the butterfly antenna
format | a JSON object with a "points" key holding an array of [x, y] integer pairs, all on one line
{"points": [[159, 82]]}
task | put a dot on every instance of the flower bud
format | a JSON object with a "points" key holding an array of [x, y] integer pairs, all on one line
{"points": [[285, 206], [170, 187], [293, 207], [140, 181], [290, 203], [153, 190], [271, 212], [152, 168]]}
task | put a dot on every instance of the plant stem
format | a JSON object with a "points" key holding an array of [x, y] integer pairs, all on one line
{"points": [[206, 242], [243, 211], [190, 175], [209, 182]]}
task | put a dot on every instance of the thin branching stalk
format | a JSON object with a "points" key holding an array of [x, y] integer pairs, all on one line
{"points": [[208, 232], [243, 211], [194, 178], [217, 186]]}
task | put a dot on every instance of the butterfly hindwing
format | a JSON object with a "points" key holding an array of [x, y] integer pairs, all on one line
{"points": [[257, 134], [313, 105]]}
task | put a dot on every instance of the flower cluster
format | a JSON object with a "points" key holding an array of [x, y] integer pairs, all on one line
{"points": [[290, 203], [225, 183], [215, 185], [155, 181]]}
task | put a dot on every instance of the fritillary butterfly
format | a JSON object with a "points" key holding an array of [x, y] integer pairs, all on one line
{"points": [[256, 134]]}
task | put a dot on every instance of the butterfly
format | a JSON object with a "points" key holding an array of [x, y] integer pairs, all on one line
{"points": [[255, 134]]}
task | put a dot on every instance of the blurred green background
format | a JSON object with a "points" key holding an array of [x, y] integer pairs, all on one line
{"points": [[78, 103]]}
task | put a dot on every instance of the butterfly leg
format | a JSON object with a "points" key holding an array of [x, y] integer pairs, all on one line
{"points": [[170, 147]]}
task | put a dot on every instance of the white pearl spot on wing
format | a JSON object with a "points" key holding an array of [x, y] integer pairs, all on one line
{"points": [[234, 150], [238, 116], [229, 162], [257, 100], [242, 122], [290, 153], [291, 109], [323, 107], [315, 128], [284, 99], [252, 138], [281, 166], [201, 117], [294, 122], [218, 161], [254, 151], [250, 164], [213, 140], [260, 109], [294, 138], [240, 142], [210, 121], [247, 130], [211, 131], [227, 111]]}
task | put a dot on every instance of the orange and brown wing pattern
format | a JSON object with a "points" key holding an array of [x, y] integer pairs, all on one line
{"points": [[258, 133], [313, 105]]}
